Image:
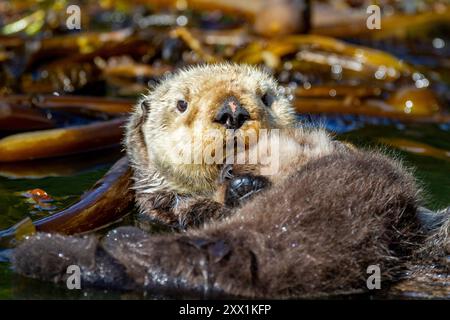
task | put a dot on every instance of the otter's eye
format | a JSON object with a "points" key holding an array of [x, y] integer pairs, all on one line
{"points": [[267, 99], [182, 105]]}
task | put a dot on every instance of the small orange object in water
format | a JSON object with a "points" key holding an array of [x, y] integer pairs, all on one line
{"points": [[38, 195]]}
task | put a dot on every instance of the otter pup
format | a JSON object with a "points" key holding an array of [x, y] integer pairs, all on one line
{"points": [[311, 229], [187, 111]]}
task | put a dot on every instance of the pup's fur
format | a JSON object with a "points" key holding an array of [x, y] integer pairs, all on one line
{"points": [[314, 234]]}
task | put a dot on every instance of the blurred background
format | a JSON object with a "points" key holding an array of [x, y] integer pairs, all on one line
{"points": [[376, 76]]}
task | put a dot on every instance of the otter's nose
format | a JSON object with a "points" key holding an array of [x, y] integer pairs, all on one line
{"points": [[231, 114]]}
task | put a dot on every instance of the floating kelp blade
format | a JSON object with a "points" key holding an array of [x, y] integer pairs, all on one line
{"points": [[132, 78], [397, 25], [109, 200], [417, 148], [60, 166], [268, 17], [194, 44], [407, 103], [16, 118], [313, 50], [60, 142], [30, 24], [76, 43], [10, 237], [414, 101], [370, 108], [345, 91], [79, 69], [68, 102]]}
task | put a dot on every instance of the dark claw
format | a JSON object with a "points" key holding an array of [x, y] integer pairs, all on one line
{"points": [[242, 187], [226, 173]]}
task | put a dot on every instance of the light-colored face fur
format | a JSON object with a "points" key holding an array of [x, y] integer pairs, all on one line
{"points": [[168, 133]]}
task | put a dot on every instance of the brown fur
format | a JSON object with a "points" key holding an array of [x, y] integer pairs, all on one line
{"points": [[328, 213], [314, 234]]}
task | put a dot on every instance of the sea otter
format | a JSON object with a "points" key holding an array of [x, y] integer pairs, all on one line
{"points": [[313, 228], [177, 117]]}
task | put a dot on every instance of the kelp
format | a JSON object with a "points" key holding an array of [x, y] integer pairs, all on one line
{"points": [[30, 24], [133, 78], [194, 44], [417, 148], [60, 166], [84, 42], [266, 17], [320, 50], [230, 38], [60, 142], [414, 101], [126, 61], [16, 118], [397, 25], [407, 104], [80, 69], [109, 200], [373, 108], [70, 103], [10, 237], [320, 69]]}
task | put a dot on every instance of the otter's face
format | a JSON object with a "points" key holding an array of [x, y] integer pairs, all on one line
{"points": [[189, 109]]}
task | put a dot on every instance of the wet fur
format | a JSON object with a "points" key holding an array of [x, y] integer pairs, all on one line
{"points": [[329, 213], [314, 234]]}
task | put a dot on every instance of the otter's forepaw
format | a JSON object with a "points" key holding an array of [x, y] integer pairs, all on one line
{"points": [[241, 188], [230, 171]]}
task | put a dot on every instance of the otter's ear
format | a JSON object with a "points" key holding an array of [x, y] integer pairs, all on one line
{"points": [[145, 108], [139, 115]]}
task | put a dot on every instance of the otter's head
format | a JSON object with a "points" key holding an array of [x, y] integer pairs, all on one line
{"points": [[181, 117]]}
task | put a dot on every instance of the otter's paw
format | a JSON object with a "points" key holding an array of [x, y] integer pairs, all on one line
{"points": [[241, 188], [47, 256]]}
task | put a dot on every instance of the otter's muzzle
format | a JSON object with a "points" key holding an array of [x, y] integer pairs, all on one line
{"points": [[231, 114]]}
